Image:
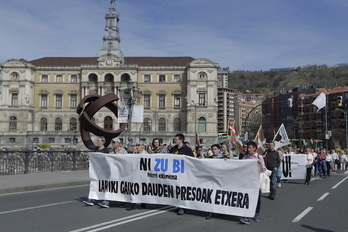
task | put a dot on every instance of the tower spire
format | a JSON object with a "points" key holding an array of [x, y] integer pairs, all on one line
{"points": [[111, 39]]}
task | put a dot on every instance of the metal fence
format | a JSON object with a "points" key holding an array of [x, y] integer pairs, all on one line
{"points": [[24, 162]]}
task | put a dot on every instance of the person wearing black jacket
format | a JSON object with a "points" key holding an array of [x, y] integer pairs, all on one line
{"points": [[181, 149], [273, 163]]}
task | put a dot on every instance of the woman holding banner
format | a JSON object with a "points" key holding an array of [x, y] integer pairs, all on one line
{"points": [[309, 165], [251, 147]]}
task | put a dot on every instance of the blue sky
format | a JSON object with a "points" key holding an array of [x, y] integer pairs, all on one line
{"points": [[239, 34]]}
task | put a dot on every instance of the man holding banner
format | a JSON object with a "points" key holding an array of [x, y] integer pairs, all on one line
{"points": [[181, 149], [251, 147]]}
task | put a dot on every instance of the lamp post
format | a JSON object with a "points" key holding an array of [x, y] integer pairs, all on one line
{"points": [[155, 117], [195, 105], [129, 97]]}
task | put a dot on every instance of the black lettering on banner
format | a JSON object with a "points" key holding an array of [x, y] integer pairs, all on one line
{"points": [[160, 190], [217, 197], [286, 164], [108, 186], [145, 164], [129, 188], [233, 199]]}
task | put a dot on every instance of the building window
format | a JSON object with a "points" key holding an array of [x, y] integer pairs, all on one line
{"points": [[14, 76], [14, 100], [162, 101], [202, 75], [108, 123], [201, 100], [51, 140], [162, 78], [58, 124], [147, 124], [73, 100], [177, 101], [177, 124], [35, 140], [147, 98], [43, 124], [44, 78], [59, 78], [44, 101], [147, 78], [12, 140], [161, 124], [74, 78], [73, 124], [59, 100], [177, 78], [13, 123], [67, 140], [202, 124]]}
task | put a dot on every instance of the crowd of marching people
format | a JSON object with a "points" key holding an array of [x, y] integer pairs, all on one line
{"points": [[319, 161]]}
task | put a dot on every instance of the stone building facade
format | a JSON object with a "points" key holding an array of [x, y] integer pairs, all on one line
{"points": [[39, 97]]}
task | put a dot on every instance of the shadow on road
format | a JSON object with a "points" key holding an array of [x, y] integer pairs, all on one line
{"points": [[316, 229]]}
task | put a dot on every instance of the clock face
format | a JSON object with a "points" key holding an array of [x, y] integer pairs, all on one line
{"points": [[108, 61]]}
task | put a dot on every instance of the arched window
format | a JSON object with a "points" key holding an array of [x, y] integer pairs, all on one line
{"points": [[93, 77], [43, 124], [73, 124], [147, 124], [202, 124], [125, 77], [161, 124], [177, 124], [13, 123], [58, 124], [108, 123]]}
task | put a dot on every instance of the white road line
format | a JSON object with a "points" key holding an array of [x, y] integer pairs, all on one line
{"points": [[36, 207], [124, 220], [323, 196], [339, 183], [301, 215]]}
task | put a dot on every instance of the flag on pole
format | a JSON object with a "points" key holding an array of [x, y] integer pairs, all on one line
{"points": [[232, 132], [281, 138], [320, 101], [197, 140], [260, 140], [238, 146]]}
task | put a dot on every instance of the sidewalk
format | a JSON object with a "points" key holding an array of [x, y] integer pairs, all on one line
{"points": [[36, 181]]}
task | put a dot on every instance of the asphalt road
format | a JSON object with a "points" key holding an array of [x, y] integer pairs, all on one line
{"points": [[321, 206]]}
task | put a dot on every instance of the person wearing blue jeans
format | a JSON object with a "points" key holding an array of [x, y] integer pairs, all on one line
{"points": [[321, 162], [273, 163]]}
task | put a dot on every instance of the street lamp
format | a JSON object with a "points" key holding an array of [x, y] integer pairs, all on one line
{"points": [[129, 97], [155, 117]]}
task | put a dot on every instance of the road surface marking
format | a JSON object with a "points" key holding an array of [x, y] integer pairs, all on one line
{"points": [[323, 196], [339, 183], [124, 220], [301, 215], [36, 207]]}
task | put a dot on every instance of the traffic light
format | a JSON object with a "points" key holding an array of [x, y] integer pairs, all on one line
{"points": [[339, 101]]}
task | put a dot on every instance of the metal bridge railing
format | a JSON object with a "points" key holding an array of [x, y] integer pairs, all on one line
{"points": [[24, 162]]}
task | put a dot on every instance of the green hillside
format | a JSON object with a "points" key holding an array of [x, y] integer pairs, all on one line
{"points": [[320, 76]]}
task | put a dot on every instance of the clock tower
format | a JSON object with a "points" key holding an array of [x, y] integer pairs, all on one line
{"points": [[111, 54]]}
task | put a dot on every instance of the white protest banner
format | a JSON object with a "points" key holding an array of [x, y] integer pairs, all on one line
{"points": [[294, 166], [212, 185]]}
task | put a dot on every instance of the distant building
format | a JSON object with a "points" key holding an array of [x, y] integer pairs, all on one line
{"points": [[300, 117]]}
